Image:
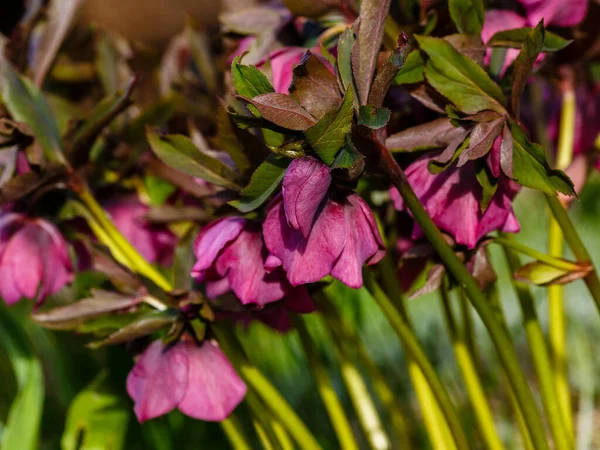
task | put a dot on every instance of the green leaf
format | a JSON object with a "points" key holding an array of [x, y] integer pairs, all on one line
{"points": [[487, 181], [145, 325], [314, 87], [449, 155], [158, 189], [26, 103], [543, 274], [460, 79], [329, 134], [180, 153], [413, 70], [467, 15], [386, 73], [349, 163], [21, 430], [436, 134], [263, 183], [524, 63], [368, 42], [373, 117], [283, 110], [248, 80], [71, 316], [516, 38], [97, 418], [530, 167], [344, 57]]}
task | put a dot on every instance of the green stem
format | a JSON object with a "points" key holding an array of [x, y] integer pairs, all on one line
{"points": [[468, 325], [265, 390], [556, 308], [541, 358], [400, 324], [551, 260], [334, 407], [500, 338], [360, 397], [577, 246], [483, 413], [343, 330], [499, 313], [235, 436]]}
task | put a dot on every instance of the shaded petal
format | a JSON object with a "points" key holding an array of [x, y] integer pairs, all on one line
{"points": [[298, 300], [211, 240], [363, 242], [306, 260], [214, 388], [159, 380], [304, 187], [23, 259], [242, 262]]}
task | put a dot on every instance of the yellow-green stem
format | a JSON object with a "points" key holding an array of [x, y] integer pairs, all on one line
{"points": [[399, 322], [556, 308], [501, 340], [343, 330], [481, 407], [468, 326], [233, 431], [332, 403], [137, 262], [265, 390], [540, 356], [364, 406]]}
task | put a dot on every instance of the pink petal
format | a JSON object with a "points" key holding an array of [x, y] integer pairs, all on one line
{"points": [[282, 67], [242, 261], [23, 260], [298, 300], [159, 380], [362, 243], [306, 260], [211, 241], [555, 12], [214, 388], [305, 185]]}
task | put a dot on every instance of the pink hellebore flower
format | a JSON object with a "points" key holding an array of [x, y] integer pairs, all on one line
{"points": [[197, 380], [231, 257], [155, 242], [452, 199], [312, 233], [34, 259], [554, 12], [283, 62]]}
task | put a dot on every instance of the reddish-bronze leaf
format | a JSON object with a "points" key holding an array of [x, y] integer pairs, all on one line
{"points": [[282, 110]]}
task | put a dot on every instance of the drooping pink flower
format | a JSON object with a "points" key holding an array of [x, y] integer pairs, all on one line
{"points": [[312, 232], [452, 199], [560, 13], [231, 256], [196, 379], [554, 12], [155, 242], [34, 259]]}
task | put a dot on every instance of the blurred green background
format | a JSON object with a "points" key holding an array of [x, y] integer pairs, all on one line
{"points": [[85, 405]]}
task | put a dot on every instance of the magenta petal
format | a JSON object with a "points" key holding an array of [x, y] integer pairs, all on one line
{"points": [[211, 241], [242, 262], [362, 243], [555, 12], [216, 288], [159, 380], [304, 187], [282, 67], [214, 388], [24, 261], [306, 260]]}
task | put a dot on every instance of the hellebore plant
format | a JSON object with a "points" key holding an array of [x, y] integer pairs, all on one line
{"points": [[352, 153]]}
